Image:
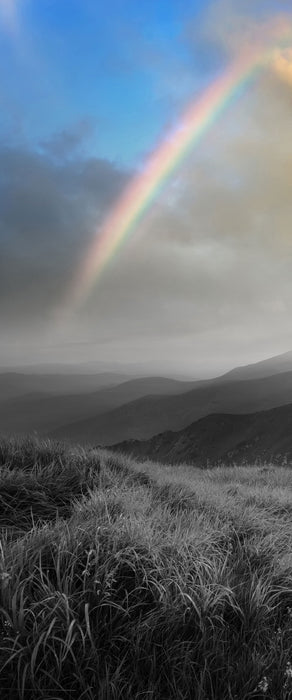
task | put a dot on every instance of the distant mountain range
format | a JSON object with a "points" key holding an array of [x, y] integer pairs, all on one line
{"points": [[226, 438], [107, 407], [43, 403], [16, 384], [148, 415], [265, 368]]}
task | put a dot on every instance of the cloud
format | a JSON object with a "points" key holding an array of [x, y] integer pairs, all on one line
{"points": [[282, 65], [49, 211], [235, 26], [67, 142]]}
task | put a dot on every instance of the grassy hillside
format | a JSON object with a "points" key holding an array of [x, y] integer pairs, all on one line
{"points": [[125, 581], [221, 438]]}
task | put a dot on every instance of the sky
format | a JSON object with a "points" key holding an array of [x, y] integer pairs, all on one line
{"points": [[89, 94]]}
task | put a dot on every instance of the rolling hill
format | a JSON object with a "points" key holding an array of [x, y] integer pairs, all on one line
{"points": [[15, 384], [107, 408], [147, 416], [227, 438], [265, 368], [43, 412]]}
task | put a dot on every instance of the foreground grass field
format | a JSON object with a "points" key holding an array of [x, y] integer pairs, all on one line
{"points": [[125, 581]]}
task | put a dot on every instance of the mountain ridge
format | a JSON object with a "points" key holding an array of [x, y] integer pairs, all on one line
{"points": [[217, 438], [147, 416]]}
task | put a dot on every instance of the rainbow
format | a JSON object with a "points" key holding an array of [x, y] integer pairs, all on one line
{"points": [[140, 193]]}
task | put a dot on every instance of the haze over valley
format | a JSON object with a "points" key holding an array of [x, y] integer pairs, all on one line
{"points": [[108, 408]]}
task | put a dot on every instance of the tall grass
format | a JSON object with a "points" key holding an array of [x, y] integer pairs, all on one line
{"points": [[124, 581]]}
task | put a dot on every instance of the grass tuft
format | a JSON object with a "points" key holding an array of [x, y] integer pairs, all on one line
{"points": [[123, 581]]}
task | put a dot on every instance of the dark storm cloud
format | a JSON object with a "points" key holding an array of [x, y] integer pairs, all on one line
{"points": [[48, 212]]}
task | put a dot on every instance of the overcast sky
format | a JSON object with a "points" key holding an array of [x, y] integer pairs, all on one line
{"points": [[89, 90]]}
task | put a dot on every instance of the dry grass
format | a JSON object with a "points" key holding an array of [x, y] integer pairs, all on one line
{"points": [[125, 581]]}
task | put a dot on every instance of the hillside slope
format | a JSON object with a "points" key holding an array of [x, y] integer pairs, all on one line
{"points": [[125, 581], [145, 417], [16, 384], [227, 438], [263, 368], [43, 412]]}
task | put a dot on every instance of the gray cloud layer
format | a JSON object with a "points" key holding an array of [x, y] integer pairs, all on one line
{"points": [[48, 211]]}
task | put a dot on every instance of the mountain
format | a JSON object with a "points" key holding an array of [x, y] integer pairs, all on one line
{"points": [[146, 416], [264, 368], [266, 435], [13, 384], [42, 412], [106, 407]]}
